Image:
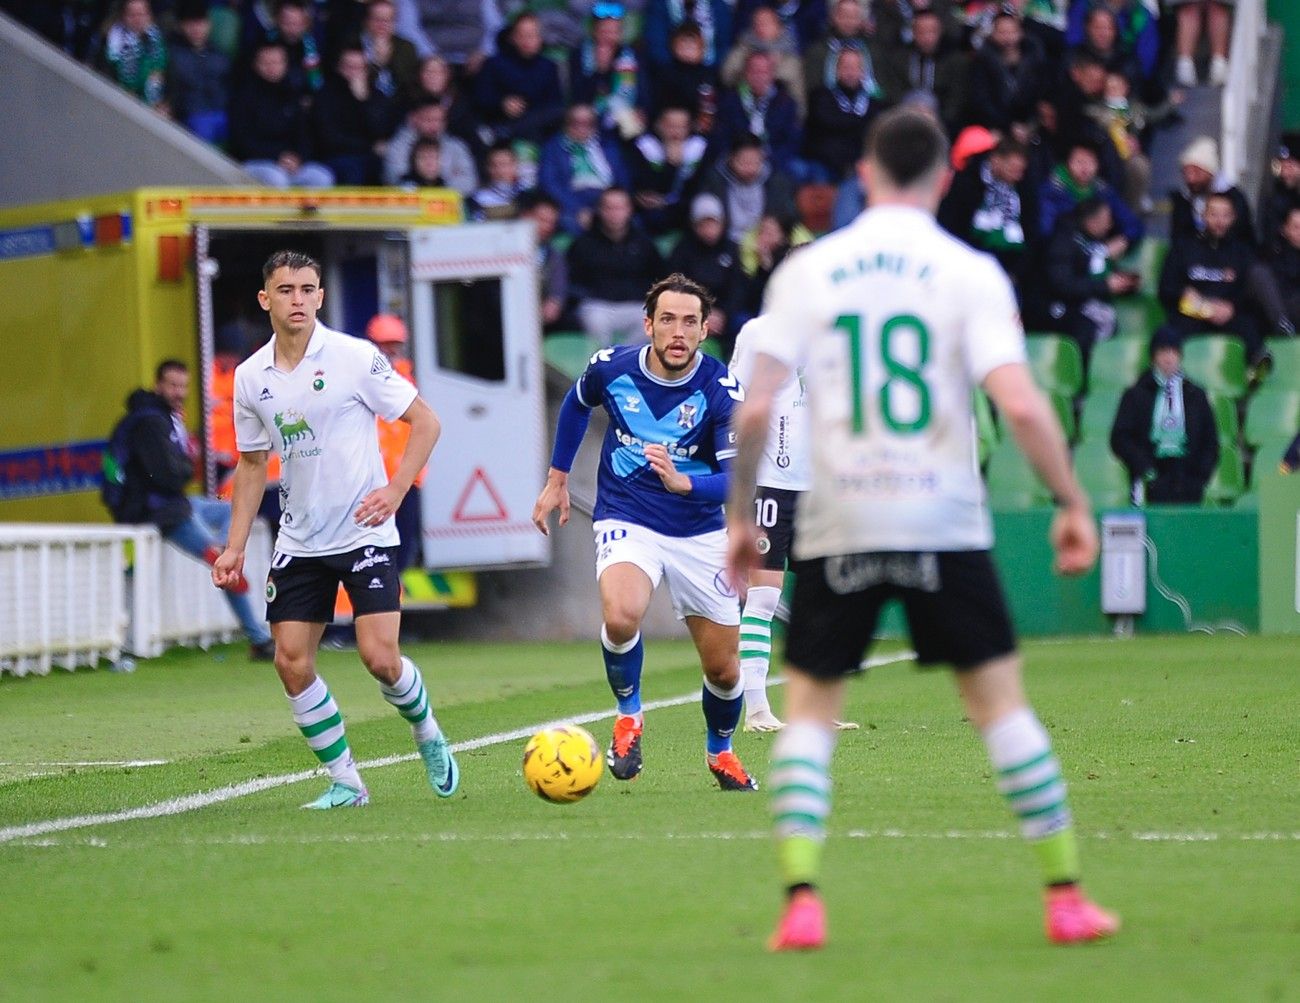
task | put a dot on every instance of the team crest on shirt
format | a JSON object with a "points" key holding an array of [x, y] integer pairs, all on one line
{"points": [[318, 384], [686, 416]]}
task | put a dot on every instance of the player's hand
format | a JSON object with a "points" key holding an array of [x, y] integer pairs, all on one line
{"points": [[554, 495], [742, 548], [228, 569], [662, 464], [378, 506], [1074, 539]]}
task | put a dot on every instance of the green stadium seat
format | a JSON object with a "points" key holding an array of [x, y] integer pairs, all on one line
{"points": [[1286, 363], [1064, 408], [714, 347], [1012, 483], [569, 352], [1056, 362], [1226, 419], [1217, 362], [1228, 482], [1116, 363], [1147, 261], [1272, 413], [1137, 316], [986, 426], [1102, 475], [1098, 416]]}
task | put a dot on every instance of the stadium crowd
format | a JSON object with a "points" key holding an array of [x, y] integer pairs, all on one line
{"points": [[712, 136]]}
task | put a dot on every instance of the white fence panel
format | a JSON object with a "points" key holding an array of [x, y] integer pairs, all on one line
{"points": [[73, 595]]}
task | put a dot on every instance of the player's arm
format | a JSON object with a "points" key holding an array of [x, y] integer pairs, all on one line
{"points": [[750, 423], [425, 429], [1038, 434], [569, 431], [249, 483]]}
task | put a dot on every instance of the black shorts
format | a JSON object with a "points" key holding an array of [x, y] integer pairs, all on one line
{"points": [[956, 613], [774, 517], [303, 589]]}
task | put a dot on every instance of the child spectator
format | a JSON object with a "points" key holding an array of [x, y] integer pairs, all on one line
{"points": [[499, 198], [428, 120], [424, 169]]}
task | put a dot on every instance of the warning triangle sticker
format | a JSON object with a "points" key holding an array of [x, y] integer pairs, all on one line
{"points": [[479, 501]]}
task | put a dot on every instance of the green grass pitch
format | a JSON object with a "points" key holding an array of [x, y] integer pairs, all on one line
{"points": [[1181, 755]]}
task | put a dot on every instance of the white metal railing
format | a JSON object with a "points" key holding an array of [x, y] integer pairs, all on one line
{"points": [[73, 595], [1242, 91]]}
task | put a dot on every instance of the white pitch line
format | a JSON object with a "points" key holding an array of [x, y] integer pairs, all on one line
{"points": [[193, 802], [637, 836], [98, 762]]}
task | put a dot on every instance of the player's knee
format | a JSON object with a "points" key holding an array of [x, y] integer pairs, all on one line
{"points": [[383, 662], [722, 672], [621, 624]]}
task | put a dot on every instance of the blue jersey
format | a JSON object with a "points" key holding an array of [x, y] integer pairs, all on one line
{"points": [[691, 416]]}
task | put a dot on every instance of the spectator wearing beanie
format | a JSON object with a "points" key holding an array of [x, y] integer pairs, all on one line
{"points": [[1199, 162]]}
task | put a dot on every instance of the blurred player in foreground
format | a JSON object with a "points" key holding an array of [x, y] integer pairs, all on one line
{"points": [[894, 323]]}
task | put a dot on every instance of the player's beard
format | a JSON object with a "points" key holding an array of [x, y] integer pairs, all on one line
{"points": [[662, 356]]}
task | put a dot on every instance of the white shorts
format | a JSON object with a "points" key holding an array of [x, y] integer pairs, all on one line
{"points": [[695, 566]]}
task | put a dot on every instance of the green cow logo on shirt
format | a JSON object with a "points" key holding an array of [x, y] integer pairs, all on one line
{"points": [[293, 427]]}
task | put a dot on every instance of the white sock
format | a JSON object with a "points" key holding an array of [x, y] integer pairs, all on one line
{"points": [[756, 644], [411, 699], [321, 724]]}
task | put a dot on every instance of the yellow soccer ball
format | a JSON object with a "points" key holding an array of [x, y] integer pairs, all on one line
{"points": [[562, 764]]}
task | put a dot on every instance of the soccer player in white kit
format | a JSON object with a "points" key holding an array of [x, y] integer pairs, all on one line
{"points": [[894, 323], [312, 394], [784, 471]]}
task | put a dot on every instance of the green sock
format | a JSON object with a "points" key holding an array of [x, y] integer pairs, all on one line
{"points": [[1058, 856], [800, 858], [801, 799]]}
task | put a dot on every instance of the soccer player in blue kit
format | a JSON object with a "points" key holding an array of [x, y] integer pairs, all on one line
{"points": [[658, 514]]}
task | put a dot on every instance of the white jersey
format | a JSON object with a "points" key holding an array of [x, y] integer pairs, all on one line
{"points": [[786, 462], [894, 323], [320, 419]]}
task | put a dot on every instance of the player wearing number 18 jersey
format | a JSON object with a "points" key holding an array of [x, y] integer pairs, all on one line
{"points": [[894, 324]]}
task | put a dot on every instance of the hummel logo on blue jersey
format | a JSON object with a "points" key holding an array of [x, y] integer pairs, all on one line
{"points": [[634, 404], [266, 394]]}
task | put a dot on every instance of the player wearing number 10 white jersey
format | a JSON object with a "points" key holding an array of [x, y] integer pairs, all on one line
{"points": [[894, 324]]}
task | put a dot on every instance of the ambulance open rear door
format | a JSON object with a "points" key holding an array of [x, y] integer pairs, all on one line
{"points": [[477, 352]]}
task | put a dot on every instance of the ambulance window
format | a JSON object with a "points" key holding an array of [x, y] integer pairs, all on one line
{"points": [[470, 336]]}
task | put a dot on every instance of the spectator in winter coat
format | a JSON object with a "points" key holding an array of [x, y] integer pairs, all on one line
{"points": [[198, 76], [517, 92], [1164, 430], [605, 72], [461, 31], [1280, 287], [353, 121], [293, 30], [928, 69], [269, 129], [663, 163], [708, 256], [499, 198], [1075, 180], [1082, 280], [394, 64], [838, 117], [1205, 281], [686, 81], [1008, 76], [577, 165], [759, 106], [714, 18], [611, 266], [767, 33], [552, 265], [1137, 30], [748, 187], [428, 120], [135, 53], [1199, 163]]}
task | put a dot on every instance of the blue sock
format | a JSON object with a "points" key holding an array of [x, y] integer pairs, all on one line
{"points": [[623, 670], [721, 714]]}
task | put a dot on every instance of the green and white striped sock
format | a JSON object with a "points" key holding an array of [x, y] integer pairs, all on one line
{"points": [[408, 695], [319, 720], [801, 798], [1029, 776], [756, 644]]}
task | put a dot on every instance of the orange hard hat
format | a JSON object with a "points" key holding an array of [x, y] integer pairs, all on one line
{"points": [[386, 329]]}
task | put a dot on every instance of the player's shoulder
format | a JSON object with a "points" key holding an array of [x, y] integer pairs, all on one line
{"points": [[249, 371], [713, 375], [615, 359]]}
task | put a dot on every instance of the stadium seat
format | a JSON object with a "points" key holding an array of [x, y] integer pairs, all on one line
{"points": [[986, 426], [1228, 481], [1225, 418], [1064, 408], [714, 347], [568, 351], [1268, 456], [1148, 260], [1098, 416], [1272, 413], [1012, 483], [1116, 363], [1217, 362], [1137, 316], [1056, 362], [1102, 475], [1286, 363]]}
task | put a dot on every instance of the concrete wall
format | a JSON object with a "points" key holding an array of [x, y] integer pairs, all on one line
{"points": [[66, 132]]}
